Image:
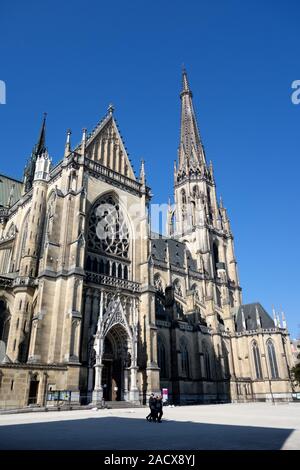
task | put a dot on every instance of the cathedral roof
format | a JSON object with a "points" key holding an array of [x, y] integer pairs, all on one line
{"points": [[10, 188], [159, 245], [108, 129], [250, 315]]}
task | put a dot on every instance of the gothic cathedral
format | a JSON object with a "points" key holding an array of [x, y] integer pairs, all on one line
{"points": [[95, 305]]}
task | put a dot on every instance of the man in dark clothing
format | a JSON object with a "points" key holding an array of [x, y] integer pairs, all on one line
{"points": [[159, 408], [151, 406], [153, 410]]}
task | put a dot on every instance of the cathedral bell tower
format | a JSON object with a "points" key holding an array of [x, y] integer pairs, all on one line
{"points": [[198, 219], [191, 176]]}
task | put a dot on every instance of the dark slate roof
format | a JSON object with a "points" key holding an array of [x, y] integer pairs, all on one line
{"points": [[159, 245], [250, 317], [5, 187]]}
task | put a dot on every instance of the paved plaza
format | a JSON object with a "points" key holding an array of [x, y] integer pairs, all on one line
{"points": [[231, 426]]}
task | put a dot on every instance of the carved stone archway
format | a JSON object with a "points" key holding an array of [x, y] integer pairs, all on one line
{"points": [[113, 325]]}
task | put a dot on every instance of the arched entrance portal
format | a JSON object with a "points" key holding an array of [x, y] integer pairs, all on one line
{"points": [[115, 347], [116, 363]]}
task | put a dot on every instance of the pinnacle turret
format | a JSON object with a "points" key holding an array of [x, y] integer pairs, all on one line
{"points": [[38, 150], [68, 143], [142, 173], [41, 145]]}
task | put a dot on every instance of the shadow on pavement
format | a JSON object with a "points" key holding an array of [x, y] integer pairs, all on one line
{"points": [[131, 433]]}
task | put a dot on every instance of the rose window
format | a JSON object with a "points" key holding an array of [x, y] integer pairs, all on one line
{"points": [[107, 230]]}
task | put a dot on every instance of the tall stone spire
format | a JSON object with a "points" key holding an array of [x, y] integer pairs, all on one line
{"points": [[40, 147], [38, 150], [191, 152]]}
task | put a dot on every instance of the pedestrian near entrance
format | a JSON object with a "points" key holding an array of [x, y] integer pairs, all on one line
{"points": [[154, 410], [151, 406], [159, 408]]}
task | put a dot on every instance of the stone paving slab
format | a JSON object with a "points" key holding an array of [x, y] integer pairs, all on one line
{"points": [[257, 426]]}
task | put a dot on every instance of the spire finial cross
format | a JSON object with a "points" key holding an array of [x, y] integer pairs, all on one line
{"points": [[110, 108]]}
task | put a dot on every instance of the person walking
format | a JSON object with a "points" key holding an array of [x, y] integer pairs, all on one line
{"points": [[159, 408], [154, 410], [151, 405]]}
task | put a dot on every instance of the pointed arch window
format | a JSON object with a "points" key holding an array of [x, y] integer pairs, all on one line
{"points": [[218, 297], [215, 256], [120, 271], [48, 221], [231, 299], [193, 207], [195, 197], [183, 204], [24, 234], [108, 239], [178, 288], [158, 283], [95, 265], [206, 356], [101, 266], [113, 270], [107, 268], [96, 154], [195, 291], [225, 354], [4, 327], [125, 272], [195, 192], [161, 357], [272, 359], [210, 211], [256, 359], [73, 334], [185, 362]]}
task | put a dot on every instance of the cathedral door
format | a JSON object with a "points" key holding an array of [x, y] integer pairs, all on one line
{"points": [[114, 360], [33, 391], [111, 380], [114, 349], [116, 380], [107, 381]]}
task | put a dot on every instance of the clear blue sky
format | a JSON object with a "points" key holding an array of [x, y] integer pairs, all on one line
{"points": [[72, 59]]}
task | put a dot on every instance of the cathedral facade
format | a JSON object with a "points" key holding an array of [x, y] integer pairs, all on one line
{"points": [[93, 303]]}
